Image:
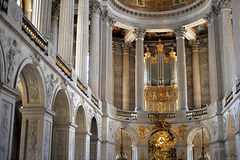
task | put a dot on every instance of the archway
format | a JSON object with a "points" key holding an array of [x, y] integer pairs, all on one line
{"points": [[123, 140], [94, 140], [201, 139], [231, 153], [81, 135], [61, 127], [27, 119]]}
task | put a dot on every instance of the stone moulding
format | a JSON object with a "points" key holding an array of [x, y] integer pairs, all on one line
{"points": [[120, 7]]}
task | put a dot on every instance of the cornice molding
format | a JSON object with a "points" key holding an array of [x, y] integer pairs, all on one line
{"points": [[163, 14]]}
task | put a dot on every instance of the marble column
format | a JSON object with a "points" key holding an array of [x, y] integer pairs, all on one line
{"points": [[114, 45], [36, 133], [181, 69], [236, 35], [54, 37], [237, 135], [63, 141], [41, 16], [7, 110], [94, 47], [196, 73], [190, 151], [106, 57], [66, 22], [126, 77], [139, 69], [82, 146], [214, 61], [82, 40], [228, 49]]}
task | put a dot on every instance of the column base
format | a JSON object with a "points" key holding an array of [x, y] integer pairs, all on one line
{"points": [[180, 116], [142, 116]]}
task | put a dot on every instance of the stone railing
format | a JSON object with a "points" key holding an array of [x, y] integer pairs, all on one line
{"points": [[157, 116], [126, 115], [34, 34], [197, 114]]}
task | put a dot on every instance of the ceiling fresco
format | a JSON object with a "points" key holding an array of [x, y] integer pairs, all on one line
{"points": [[200, 29], [119, 32], [156, 5]]}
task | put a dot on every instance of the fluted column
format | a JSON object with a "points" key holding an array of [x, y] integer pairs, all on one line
{"points": [[94, 47], [181, 69], [82, 39], [228, 50], [139, 70], [236, 31], [41, 16], [66, 21], [126, 77], [106, 57], [54, 37], [196, 73], [114, 45], [214, 59]]}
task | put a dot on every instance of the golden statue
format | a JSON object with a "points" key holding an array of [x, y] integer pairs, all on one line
{"points": [[172, 53]]}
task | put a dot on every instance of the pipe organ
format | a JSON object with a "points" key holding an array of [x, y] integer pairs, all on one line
{"points": [[161, 92]]}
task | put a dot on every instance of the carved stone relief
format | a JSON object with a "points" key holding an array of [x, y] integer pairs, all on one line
{"points": [[11, 59], [5, 112], [111, 135], [51, 82], [46, 139], [32, 140]]}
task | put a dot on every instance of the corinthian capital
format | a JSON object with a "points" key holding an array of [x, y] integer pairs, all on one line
{"points": [[194, 44], [225, 4], [126, 48], [139, 32], [180, 32], [94, 6]]}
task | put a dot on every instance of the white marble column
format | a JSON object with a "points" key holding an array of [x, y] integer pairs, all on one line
{"points": [[54, 32], [214, 62], [41, 16], [237, 135], [228, 50], [7, 110], [196, 73], [139, 69], [66, 22], [82, 146], [94, 47], [114, 45], [181, 69], [190, 152], [36, 133], [82, 40], [106, 57], [236, 35], [126, 77], [63, 141]]}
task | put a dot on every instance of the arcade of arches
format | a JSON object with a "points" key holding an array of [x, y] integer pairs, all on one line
{"points": [[119, 79]]}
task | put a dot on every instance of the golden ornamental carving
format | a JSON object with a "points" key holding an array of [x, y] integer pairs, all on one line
{"points": [[148, 54], [172, 53], [160, 47], [180, 131], [143, 132]]}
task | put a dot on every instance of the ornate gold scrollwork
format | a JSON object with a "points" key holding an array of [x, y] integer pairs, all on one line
{"points": [[180, 131]]}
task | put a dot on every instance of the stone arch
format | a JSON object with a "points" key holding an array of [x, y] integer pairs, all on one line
{"points": [[133, 134], [29, 80], [191, 136], [123, 136], [81, 134], [61, 106], [94, 140], [231, 148]]}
